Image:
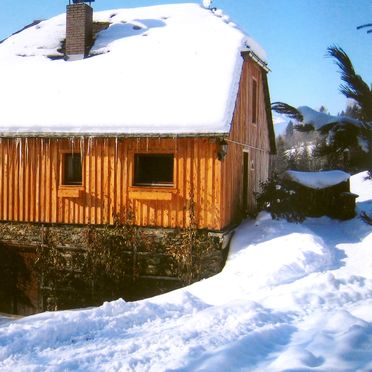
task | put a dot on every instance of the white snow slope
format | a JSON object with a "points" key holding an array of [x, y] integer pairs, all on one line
{"points": [[294, 297]]}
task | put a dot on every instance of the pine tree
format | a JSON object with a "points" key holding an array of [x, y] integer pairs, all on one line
{"points": [[353, 85], [289, 130], [344, 139], [323, 109], [281, 160]]}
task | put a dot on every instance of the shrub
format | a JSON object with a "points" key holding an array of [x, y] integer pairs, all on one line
{"points": [[279, 200]]}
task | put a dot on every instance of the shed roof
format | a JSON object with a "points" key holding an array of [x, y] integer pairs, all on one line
{"points": [[170, 69], [317, 180]]}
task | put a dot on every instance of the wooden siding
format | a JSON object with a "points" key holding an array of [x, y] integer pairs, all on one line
{"points": [[31, 187], [246, 136]]}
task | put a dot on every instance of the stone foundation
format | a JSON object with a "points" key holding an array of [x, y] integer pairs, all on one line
{"points": [[149, 271]]}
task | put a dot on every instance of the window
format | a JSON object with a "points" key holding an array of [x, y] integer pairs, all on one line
{"points": [[153, 169], [254, 101], [245, 180], [72, 169]]}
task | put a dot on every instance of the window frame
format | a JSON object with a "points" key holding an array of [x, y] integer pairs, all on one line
{"points": [[136, 183], [254, 101], [64, 181]]}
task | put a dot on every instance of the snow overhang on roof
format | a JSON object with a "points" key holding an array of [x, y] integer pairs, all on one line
{"points": [[317, 180], [170, 69]]}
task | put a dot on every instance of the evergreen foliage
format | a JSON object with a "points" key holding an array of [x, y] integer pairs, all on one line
{"points": [[342, 144], [353, 87], [368, 26], [295, 151], [279, 200], [289, 130], [352, 111], [288, 110]]}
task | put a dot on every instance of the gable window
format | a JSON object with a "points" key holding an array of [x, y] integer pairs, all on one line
{"points": [[72, 169], [254, 101], [153, 169]]}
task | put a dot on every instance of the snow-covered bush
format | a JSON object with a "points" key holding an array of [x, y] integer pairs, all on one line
{"points": [[279, 200]]}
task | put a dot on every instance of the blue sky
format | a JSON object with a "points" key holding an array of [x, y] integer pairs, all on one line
{"points": [[294, 33]]}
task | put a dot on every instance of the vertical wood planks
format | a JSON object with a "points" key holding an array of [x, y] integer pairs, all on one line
{"points": [[253, 137], [31, 181]]}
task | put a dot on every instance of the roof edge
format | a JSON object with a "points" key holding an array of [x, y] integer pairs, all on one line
{"points": [[247, 52], [110, 135]]}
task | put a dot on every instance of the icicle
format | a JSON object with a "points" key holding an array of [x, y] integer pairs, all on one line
{"points": [[42, 147], [116, 149], [38, 167], [49, 147], [89, 145], [26, 149], [72, 143], [21, 152], [18, 148], [82, 147]]}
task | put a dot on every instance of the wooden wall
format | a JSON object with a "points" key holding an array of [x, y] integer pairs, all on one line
{"points": [[31, 189], [246, 136]]}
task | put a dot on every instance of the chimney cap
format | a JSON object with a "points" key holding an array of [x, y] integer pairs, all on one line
{"points": [[81, 1]]}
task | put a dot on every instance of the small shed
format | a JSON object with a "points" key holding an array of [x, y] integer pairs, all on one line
{"points": [[325, 193]]}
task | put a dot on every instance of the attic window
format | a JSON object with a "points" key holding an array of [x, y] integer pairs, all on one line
{"points": [[153, 169], [254, 101], [72, 169]]}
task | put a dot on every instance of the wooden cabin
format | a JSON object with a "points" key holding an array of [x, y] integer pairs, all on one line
{"points": [[77, 144]]}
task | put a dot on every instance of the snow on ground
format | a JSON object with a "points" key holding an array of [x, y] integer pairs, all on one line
{"points": [[294, 297]]}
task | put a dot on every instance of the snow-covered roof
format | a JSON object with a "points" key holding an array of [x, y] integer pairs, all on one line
{"points": [[317, 180], [169, 69], [321, 119]]}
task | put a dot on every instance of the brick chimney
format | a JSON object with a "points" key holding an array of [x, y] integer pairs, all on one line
{"points": [[79, 25]]}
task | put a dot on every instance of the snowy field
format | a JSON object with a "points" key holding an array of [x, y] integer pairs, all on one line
{"points": [[294, 297]]}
